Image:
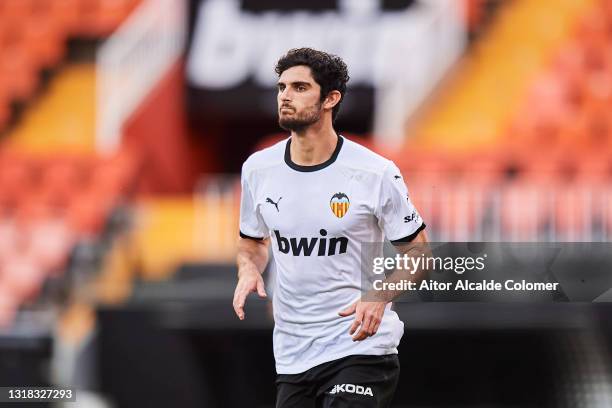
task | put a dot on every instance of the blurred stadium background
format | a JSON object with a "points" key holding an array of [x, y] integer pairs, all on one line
{"points": [[123, 127]]}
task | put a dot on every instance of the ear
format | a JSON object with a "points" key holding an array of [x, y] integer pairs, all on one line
{"points": [[332, 99]]}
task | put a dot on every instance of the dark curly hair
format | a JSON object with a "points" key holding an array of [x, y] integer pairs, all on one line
{"points": [[328, 70]]}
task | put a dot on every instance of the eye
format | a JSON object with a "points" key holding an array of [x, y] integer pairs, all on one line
{"points": [[280, 87], [301, 88]]}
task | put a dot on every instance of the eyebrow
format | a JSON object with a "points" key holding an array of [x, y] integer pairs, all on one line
{"points": [[296, 83]]}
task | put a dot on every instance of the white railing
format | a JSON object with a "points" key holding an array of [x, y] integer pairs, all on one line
{"points": [[132, 61], [420, 48], [453, 212], [516, 212]]}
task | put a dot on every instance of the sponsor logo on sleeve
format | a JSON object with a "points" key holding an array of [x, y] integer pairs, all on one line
{"points": [[412, 217]]}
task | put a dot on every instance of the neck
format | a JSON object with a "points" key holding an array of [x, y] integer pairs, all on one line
{"points": [[313, 145]]}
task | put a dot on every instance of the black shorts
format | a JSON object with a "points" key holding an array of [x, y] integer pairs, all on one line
{"points": [[353, 381]]}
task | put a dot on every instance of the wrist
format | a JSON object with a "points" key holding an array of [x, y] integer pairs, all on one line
{"points": [[379, 296], [247, 270]]}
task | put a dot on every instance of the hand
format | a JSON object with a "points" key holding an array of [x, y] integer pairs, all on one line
{"points": [[368, 316], [249, 280]]}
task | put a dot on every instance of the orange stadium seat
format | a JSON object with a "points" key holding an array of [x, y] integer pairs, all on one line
{"points": [[10, 32], [44, 40], [87, 213], [111, 13], [486, 168], [16, 178], [597, 169], [96, 17], [32, 209], [21, 68], [16, 9], [66, 14], [417, 164], [61, 180], [547, 99], [88, 10], [112, 176]]}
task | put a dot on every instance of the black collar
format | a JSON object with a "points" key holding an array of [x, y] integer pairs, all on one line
{"points": [[316, 167]]}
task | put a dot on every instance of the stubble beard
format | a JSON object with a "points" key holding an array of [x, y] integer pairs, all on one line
{"points": [[301, 121]]}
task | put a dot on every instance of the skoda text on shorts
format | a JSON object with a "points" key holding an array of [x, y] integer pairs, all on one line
{"points": [[315, 197]]}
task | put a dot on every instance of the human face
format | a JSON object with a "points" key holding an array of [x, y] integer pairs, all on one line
{"points": [[299, 99]]}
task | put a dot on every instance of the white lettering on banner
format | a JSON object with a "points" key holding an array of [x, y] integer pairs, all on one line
{"points": [[401, 53], [230, 44]]}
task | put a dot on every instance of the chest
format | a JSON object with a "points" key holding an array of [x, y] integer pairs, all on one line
{"points": [[336, 201]]}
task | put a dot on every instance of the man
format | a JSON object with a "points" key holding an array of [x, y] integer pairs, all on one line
{"points": [[316, 197]]}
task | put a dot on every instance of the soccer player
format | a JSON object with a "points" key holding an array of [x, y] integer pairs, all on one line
{"points": [[315, 197]]}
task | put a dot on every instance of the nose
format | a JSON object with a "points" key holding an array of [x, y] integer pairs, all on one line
{"points": [[284, 95]]}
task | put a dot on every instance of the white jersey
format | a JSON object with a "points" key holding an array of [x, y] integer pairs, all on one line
{"points": [[317, 217]]}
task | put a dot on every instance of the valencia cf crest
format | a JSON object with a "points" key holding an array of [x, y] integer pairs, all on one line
{"points": [[339, 204]]}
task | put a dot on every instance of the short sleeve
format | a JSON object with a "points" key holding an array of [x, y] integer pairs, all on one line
{"points": [[397, 217], [251, 224]]}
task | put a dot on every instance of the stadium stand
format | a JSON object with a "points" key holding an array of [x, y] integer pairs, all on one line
{"points": [[33, 35], [547, 149], [55, 191], [493, 77]]}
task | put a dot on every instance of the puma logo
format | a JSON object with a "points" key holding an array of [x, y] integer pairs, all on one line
{"points": [[269, 200]]}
